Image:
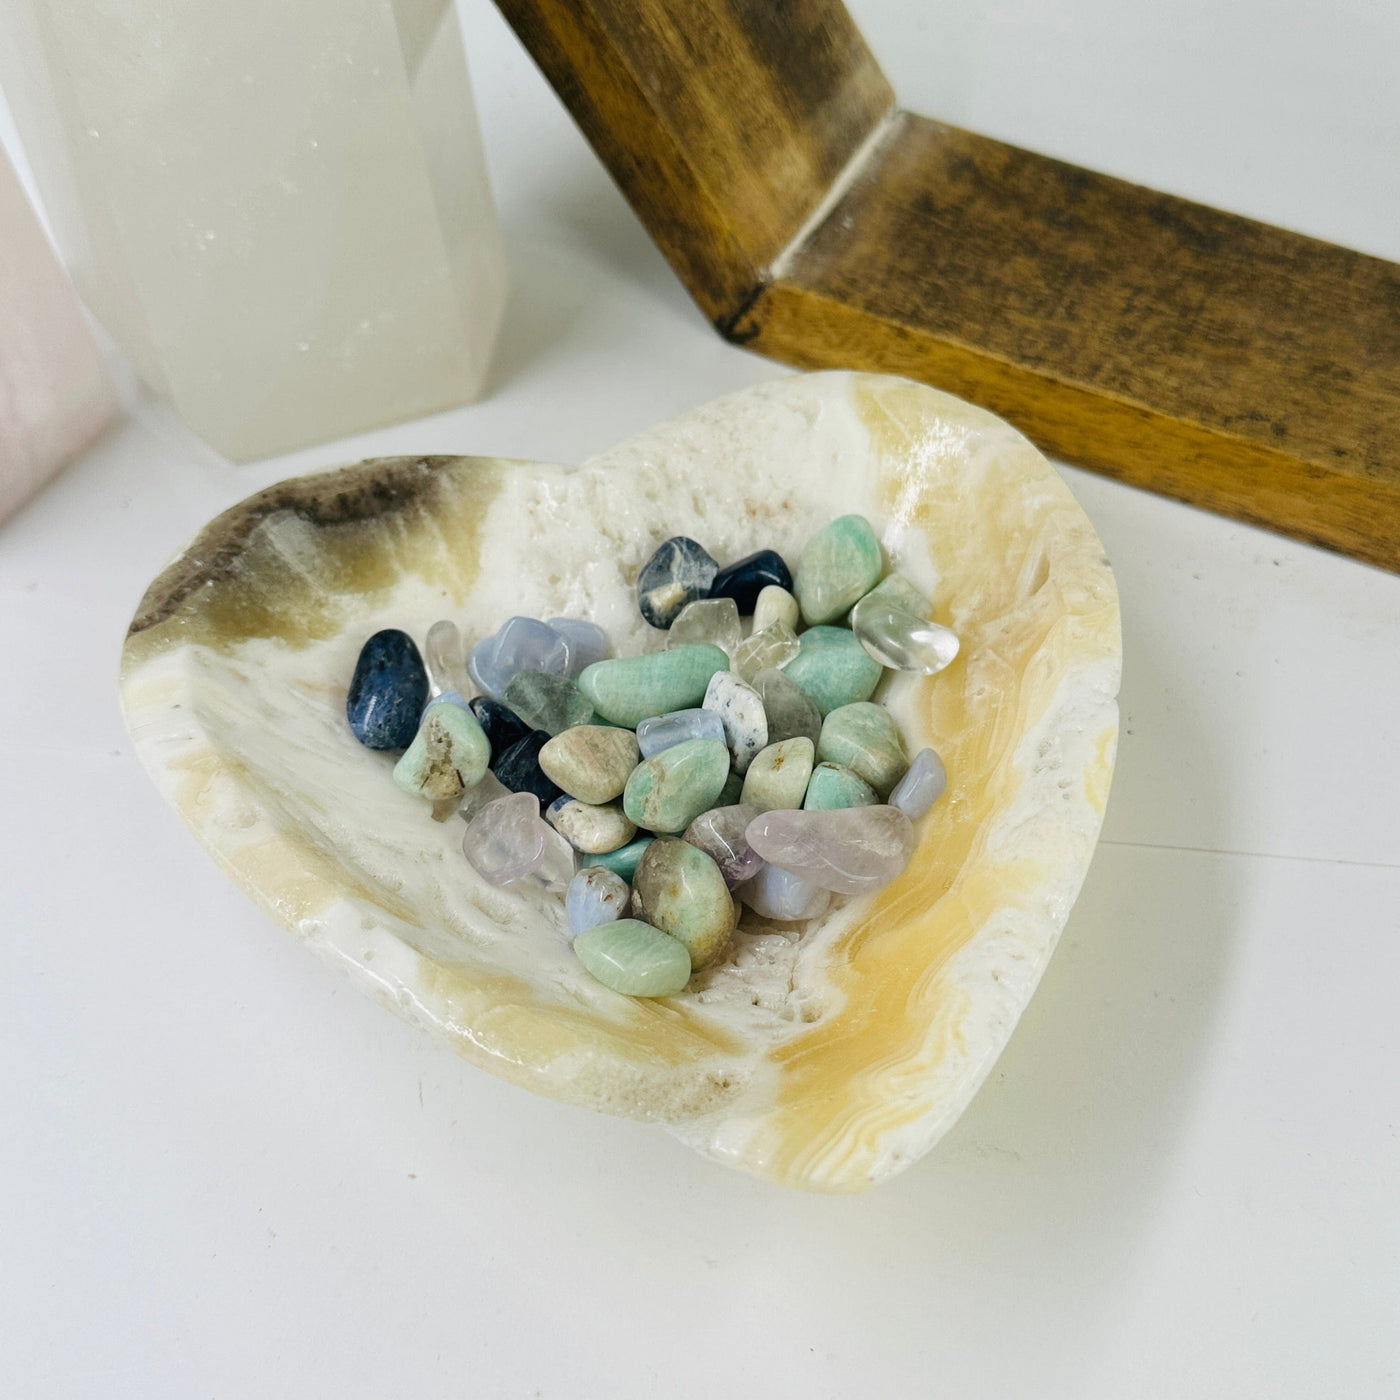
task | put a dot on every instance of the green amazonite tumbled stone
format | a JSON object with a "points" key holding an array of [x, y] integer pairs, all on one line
{"points": [[833, 786], [679, 889], [624, 860], [591, 761], [671, 789], [544, 701], [840, 564], [778, 776], [833, 669], [633, 958], [629, 689], [864, 738], [448, 755]]}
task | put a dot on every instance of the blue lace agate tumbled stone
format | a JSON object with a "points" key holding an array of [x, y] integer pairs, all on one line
{"points": [[387, 692], [745, 580], [666, 731], [502, 725], [522, 644], [519, 768], [587, 642], [678, 573]]}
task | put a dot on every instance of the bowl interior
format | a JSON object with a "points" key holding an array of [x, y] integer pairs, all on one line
{"points": [[826, 1055]]}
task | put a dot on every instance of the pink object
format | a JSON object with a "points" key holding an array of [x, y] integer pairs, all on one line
{"points": [[55, 395]]}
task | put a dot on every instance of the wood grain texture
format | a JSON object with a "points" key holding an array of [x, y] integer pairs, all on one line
{"points": [[1227, 363], [722, 120], [1209, 357]]}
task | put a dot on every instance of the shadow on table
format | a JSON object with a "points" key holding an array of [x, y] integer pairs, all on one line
{"points": [[581, 241], [1048, 1183]]}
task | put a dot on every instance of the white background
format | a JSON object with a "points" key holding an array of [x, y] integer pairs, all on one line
{"points": [[224, 1174]]}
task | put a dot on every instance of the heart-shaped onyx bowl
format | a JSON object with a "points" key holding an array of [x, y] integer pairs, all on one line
{"points": [[826, 1055]]}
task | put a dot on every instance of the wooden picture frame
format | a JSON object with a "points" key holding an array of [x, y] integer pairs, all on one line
{"points": [[1205, 356]]}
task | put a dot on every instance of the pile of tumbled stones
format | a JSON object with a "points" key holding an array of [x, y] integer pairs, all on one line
{"points": [[724, 769]]}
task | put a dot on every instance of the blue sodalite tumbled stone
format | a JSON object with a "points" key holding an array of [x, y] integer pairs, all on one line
{"points": [[502, 725], [678, 573], [387, 692], [522, 644], [748, 578], [519, 768]]}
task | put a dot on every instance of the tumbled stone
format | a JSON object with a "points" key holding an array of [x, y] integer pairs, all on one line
{"points": [[740, 709], [833, 787], [790, 711], [864, 738], [522, 644], [505, 841], [595, 896], [776, 604], [720, 833], [587, 642], [678, 573], [900, 640], [833, 668], [778, 775], [666, 731], [448, 755], [679, 889], [730, 793], [769, 650], [707, 621], [898, 592], [629, 689], [591, 761], [519, 768], [479, 794], [668, 792], [388, 691], [558, 865], [444, 659], [591, 828], [501, 725], [551, 703], [853, 850], [839, 565], [921, 786], [778, 894], [633, 958], [623, 861], [745, 580], [454, 697]]}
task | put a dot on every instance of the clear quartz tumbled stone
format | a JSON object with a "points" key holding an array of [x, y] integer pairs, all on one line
{"points": [[506, 840], [442, 655], [768, 650], [899, 640], [712, 620]]}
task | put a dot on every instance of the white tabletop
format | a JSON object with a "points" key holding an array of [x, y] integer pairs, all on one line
{"points": [[224, 1174]]}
